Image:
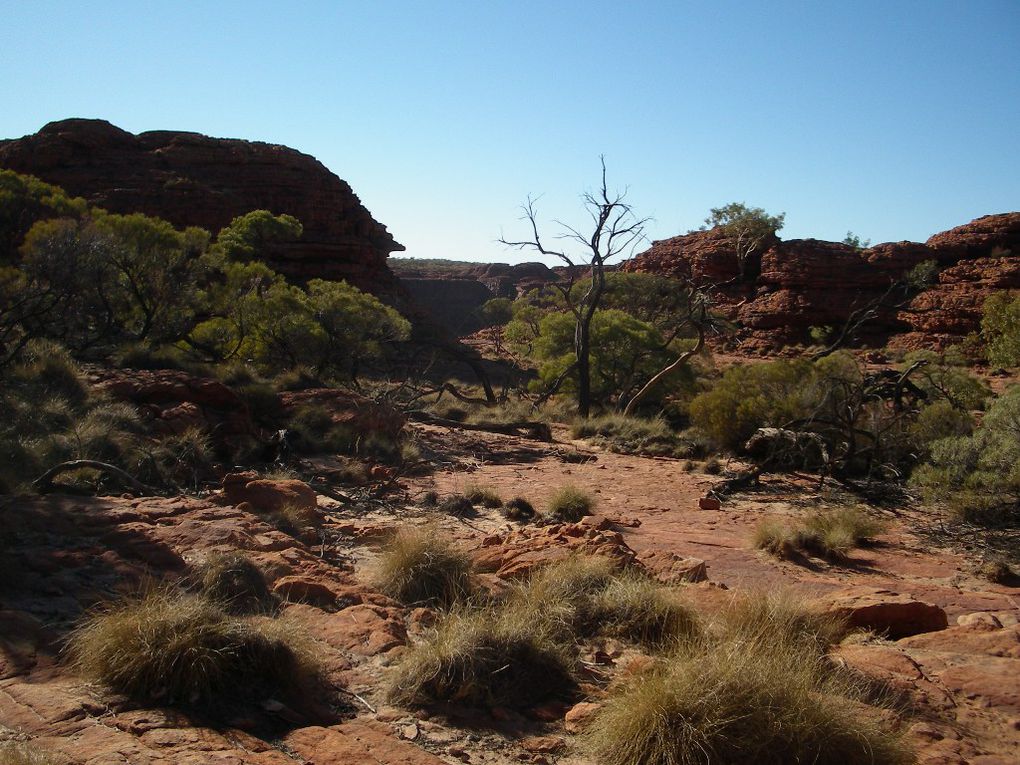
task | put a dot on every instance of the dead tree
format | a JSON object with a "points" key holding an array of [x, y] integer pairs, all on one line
{"points": [[615, 232]]}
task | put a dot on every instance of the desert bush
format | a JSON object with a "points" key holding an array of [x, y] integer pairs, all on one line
{"points": [[483, 495], [299, 378], [564, 593], [180, 459], [752, 396], [978, 476], [995, 570], [734, 702], [236, 583], [490, 657], [570, 504], [182, 649], [944, 377], [418, 567], [518, 509], [1000, 329]]}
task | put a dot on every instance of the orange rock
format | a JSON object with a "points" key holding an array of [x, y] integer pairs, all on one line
{"points": [[580, 716], [890, 613], [709, 503]]}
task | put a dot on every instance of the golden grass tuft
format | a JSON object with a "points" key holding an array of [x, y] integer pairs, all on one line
{"points": [[483, 495], [417, 567], [236, 583], [637, 609], [832, 534], [570, 504], [491, 657], [182, 649], [13, 753], [738, 702]]}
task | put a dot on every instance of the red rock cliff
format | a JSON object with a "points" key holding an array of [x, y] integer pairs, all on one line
{"points": [[193, 180], [806, 282]]}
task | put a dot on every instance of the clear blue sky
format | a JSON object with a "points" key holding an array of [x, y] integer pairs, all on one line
{"points": [[892, 119]]}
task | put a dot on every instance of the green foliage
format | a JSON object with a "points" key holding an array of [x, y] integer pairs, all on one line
{"points": [[1000, 329], [625, 350], [945, 377], [978, 476], [752, 396], [853, 240], [250, 236], [24, 200], [923, 275], [496, 312], [746, 228]]}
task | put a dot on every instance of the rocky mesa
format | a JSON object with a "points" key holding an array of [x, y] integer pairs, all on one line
{"points": [[194, 180], [798, 284]]}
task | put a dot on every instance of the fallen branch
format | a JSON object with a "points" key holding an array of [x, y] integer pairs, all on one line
{"points": [[531, 429], [45, 482]]}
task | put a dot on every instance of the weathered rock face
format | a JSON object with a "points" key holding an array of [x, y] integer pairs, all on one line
{"points": [[804, 283], [193, 180]]}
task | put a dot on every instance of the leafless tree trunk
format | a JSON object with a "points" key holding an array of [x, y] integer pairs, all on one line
{"points": [[616, 231]]}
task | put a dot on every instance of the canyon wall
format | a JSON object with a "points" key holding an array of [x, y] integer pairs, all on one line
{"points": [[805, 283], [194, 180]]}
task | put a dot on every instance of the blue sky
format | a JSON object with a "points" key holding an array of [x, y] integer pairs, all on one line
{"points": [[892, 119]]}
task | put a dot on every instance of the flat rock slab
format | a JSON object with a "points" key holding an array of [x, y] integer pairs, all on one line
{"points": [[893, 614]]}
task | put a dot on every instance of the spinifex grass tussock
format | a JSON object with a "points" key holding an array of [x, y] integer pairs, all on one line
{"points": [[570, 504], [458, 506], [419, 567], [832, 534], [739, 702], [491, 657], [583, 596], [236, 583], [483, 495], [175, 648], [518, 509]]}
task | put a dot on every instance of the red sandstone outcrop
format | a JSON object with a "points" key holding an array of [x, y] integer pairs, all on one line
{"points": [[805, 283], [194, 180]]}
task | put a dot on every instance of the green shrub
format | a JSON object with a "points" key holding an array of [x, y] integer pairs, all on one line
{"points": [[751, 396], [570, 504], [1000, 329], [172, 648], [978, 476], [418, 567]]}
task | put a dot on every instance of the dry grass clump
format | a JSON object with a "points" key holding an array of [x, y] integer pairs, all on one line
{"points": [[489, 657], [417, 567], [570, 504], [768, 619], [483, 495], [637, 609], [995, 570], [832, 534], [236, 583], [293, 518], [583, 596], [518, 509], [738, 702], [13, 753], [458, 506], [183, 649]]}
